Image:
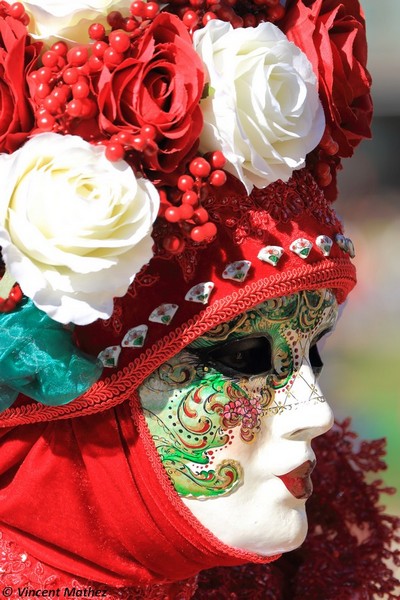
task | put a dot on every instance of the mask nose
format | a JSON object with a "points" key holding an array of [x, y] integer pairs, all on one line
{"points": [[307, 414]]}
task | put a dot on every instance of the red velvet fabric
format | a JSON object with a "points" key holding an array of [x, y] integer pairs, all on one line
{"points": [[89, 496]]}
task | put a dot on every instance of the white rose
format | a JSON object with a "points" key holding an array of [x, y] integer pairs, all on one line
{"points": [[74, 227], [59, 19], [263, 111]]}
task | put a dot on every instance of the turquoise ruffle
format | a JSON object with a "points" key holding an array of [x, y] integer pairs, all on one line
{"points": [[39, 359]]}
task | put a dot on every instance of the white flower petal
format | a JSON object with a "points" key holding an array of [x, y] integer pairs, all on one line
{"points": [[263, 111], [74, 228]]}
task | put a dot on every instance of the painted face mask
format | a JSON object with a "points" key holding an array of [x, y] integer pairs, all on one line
{"points": [[233, 416]]}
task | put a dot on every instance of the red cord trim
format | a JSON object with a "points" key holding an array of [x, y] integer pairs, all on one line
{"points": [[337, 274]]}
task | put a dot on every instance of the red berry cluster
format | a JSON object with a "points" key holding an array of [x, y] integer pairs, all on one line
{"points": [[16, 11], [10, 303], [62, 87], [324, 160], [186, 210], [197, 13]]}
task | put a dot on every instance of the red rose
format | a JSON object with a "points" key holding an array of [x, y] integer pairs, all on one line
{"points": [[17, 57], [332, 34], [160, 84]]}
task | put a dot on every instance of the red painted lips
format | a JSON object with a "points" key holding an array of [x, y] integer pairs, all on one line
{"points": [[298, 481]]}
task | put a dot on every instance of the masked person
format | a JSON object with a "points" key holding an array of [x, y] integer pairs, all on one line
{"points": [[171, 259]]}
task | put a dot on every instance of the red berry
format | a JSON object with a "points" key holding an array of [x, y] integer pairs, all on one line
{"points": [[50, 58], [208, 16], [217, 160], [149, 132], [331, 148], [186, 211], [199, 167], [114, 19], [174, 244], [200, 216], [173, 214], [191, 198], [16, 293], [151, 10], [25, 20], [71, 75], [42, 90], [16, 10], [95, 64], [51, 104], [99, 48], [80, 89], [322, 169], [276, 12], [61, 93], [137, 8], [185, 183], [44, 74], [249, 20], [129, 24], [78, 55], [209, 230], [46, 121], [115, 152], [60, 48], [190, 19], [124, 138], [197, 234], [112, 58], [218, 178], [74, 108], [97, 31], [119, 41], [139, 143]]}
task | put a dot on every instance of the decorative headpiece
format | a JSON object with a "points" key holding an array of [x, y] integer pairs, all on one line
{"points": [[164, 168]]}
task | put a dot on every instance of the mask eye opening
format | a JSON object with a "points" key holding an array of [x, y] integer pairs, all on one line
{"points": [[248, 356]]}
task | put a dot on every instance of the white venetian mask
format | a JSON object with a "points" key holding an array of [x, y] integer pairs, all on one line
{"points": [[233, 415]]}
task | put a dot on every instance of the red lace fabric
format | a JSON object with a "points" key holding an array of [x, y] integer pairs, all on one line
{"points": [[21, 574]]}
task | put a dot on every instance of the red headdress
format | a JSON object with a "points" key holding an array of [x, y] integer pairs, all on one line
{"points": [[183, 212]]}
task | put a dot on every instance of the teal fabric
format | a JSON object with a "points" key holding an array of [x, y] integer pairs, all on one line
{"points": [[39, 359]]}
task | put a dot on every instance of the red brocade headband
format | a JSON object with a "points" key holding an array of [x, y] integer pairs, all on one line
{"points": [[163, 177]]}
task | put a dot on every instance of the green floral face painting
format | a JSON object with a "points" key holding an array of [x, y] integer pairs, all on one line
{"points": [[224, 388]]}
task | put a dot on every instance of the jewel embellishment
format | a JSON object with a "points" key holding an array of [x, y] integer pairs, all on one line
{"points": [[345, 244], [200, 292], [237, 271], [135, 337], [301, 247], [325, 244], [350, 248], [341, 241], [270, 254], [163, 314], [109, 356]]}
